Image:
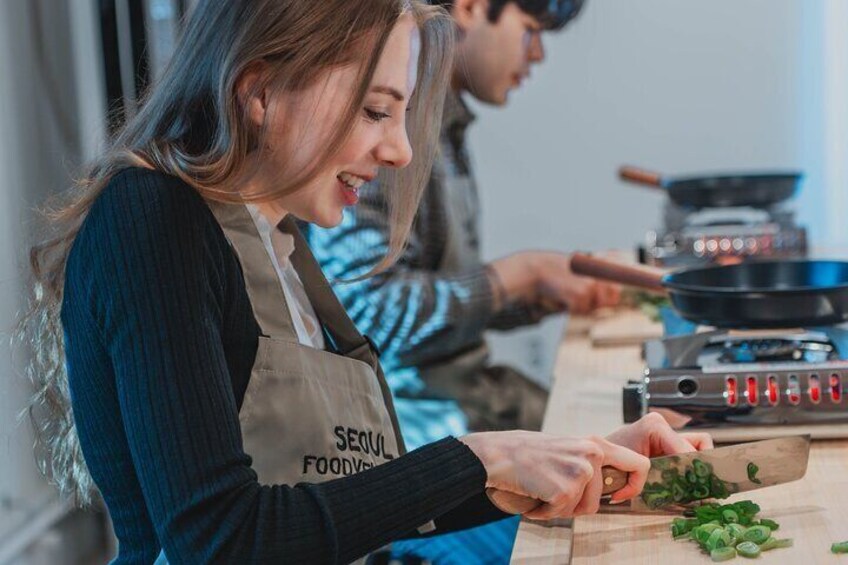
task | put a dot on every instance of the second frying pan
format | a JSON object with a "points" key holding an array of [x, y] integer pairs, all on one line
{"points": [[751, 189], [768, 294]]}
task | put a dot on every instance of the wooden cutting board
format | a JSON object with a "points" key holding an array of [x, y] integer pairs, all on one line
{"points": [[752, 433], [624, 327]]}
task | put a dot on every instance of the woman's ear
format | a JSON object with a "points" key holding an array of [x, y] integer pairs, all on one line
{"points": [[253, 93]]}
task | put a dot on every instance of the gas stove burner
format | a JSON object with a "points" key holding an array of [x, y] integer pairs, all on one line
{"points": [[703, 236], [725, 348], [725, 378], [768, 350], [678, 219], [711, 217]]}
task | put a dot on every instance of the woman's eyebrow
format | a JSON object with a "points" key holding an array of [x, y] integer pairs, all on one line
{"points": [[393, 92]]}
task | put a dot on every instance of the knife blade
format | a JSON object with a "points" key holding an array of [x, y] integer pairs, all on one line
{"points": [[771, 462]]}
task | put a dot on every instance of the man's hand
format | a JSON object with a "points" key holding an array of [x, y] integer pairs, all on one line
{"points": [[545, 279]]}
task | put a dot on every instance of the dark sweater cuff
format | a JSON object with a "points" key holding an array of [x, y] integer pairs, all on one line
{"points": [[516, 316], [479, 300]]}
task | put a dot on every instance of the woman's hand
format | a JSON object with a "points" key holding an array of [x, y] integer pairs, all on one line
{"points": [[563, 473], [651, 436]]}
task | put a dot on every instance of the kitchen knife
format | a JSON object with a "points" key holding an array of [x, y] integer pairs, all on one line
{"points": [[741, 468]]}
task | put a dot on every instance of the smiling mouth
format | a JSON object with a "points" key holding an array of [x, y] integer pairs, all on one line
{"points": [[350, 185], [354, 182]]}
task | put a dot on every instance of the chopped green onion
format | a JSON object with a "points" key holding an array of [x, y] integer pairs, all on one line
{"points": [[678, 493], [736, 530], [752, 473], [718, 538], [756, 534], [769, 544], [701, 468], [770, 524], [718, 529], [748, 549], [701, 491], [783, 543], [841, 547], [722, 554]]}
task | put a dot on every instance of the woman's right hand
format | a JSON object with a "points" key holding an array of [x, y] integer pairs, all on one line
{"points": [[563, 473]]}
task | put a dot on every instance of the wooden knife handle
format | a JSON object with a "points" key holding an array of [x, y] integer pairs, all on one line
{"points": [[614, 480], [513, 503]]}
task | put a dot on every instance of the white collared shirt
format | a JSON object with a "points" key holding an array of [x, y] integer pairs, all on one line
{"points": [[280, 246]]}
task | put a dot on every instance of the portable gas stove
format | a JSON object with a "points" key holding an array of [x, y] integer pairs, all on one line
{"points": [[726, 378], [702, 236]]}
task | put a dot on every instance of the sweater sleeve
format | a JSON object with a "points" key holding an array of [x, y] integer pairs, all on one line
{"points": [[158, 307]]}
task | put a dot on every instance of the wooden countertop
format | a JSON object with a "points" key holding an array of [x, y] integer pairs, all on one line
{"points": [[586, 399]]}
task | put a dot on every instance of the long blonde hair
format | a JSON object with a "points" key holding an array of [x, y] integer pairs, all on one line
{"points": [[192, 126]]}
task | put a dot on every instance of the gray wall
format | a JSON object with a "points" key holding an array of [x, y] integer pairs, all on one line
{"points": [[678, 85]]}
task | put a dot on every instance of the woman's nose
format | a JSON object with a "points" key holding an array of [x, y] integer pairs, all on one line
{"points": [[395, 150]]}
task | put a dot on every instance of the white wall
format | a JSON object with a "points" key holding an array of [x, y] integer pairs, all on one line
{"points": [[683, 86], [679, 85], [831, 111]]}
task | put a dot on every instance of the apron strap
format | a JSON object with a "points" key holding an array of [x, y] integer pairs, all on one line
{"points": [[260, 277], [348, 339]]}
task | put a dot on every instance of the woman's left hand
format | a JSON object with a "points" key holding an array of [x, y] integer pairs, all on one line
{"points": [[651, 436]]}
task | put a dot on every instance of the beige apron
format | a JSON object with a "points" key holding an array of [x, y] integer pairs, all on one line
{"points": [[308, 415]]}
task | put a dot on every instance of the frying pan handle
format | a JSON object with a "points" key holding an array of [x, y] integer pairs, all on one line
{"points": [[630, 275], [640, 176], [513, 503]]}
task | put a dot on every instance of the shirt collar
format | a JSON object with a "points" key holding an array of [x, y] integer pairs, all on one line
{"points": [[456, 113]]}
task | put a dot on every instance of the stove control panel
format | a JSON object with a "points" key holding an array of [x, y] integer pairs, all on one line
{"points": [[752, 395], [707, 246]]}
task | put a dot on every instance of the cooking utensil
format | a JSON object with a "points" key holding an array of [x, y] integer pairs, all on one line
{"points": [[748, 189], [754, 294], [779, 461]]}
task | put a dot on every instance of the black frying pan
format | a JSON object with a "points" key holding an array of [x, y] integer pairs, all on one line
{"points": [[757, 189], [767, 294]]}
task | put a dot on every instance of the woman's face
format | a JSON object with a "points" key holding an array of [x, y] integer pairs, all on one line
{"points": [[378, 138]]}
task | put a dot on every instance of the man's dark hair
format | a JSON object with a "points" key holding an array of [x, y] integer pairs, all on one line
{"points": [[552, 14]]}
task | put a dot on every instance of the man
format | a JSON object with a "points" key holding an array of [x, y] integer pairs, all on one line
{"points": [[428, 313]]}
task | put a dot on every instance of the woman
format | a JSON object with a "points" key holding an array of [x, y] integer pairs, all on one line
{"points": [[206, 380]]}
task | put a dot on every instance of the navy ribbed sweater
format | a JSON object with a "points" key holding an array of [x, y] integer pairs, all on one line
{"points": [[160, 339]]}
